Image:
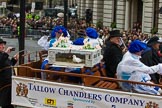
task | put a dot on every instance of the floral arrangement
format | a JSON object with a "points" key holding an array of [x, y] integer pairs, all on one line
{"points": [[90, 45], [62, 42]]}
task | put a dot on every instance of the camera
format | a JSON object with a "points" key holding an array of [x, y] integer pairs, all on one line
{"points": [[13, 49]]}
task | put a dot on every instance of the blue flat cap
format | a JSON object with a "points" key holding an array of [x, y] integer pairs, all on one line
{"points": [[137, 46], [92, 33], [79, 41], [59, 29]]}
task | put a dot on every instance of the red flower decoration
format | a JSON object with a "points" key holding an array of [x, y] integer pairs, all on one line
{"points": [[60, 31]]}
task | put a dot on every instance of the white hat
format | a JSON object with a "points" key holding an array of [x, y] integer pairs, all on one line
{"points": [[60, 15]]}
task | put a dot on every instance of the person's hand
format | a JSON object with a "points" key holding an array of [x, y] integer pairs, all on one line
{"points": [[8, 50], [16, 56], [124, 50]]}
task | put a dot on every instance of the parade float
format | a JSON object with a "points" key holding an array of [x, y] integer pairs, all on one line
{"points": [[95, 90]]}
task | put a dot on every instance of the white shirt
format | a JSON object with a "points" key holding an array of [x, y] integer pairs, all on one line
{"points": [[135, 69]]}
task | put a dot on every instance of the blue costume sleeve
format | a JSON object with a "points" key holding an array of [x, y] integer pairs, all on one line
{"points": [[51, 42], [44, 64]]}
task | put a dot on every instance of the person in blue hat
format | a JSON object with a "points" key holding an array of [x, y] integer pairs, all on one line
{"points": [[92, 37], [56, 33], [131, 68]]}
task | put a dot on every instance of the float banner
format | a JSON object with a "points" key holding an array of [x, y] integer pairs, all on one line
{"points": [[44, 94]]}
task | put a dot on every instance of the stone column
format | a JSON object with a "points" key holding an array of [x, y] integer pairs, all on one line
{"points": [[69, 3], [120, 14], [133, 12], [75, 2], [160, 19], [107, 12], [81, 8], [78, 8], [148, 14], [97, 10], [89, 4], [127, 15]]}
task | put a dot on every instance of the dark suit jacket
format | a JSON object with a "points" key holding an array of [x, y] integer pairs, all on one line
{"points": [[151, 58], [5, 78], [112, 56]]}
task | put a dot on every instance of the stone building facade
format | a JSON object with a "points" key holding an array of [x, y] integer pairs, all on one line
{"points": [[125, 13]]}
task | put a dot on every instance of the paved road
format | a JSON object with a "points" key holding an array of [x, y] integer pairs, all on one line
{"points": [[30, 45]]}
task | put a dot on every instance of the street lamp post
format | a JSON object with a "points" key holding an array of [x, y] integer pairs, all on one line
{"points": [[21, 37], [50, 3], [65, 12]]}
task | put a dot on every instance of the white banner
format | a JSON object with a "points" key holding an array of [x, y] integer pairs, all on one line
{"points": [[43, 94]]}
